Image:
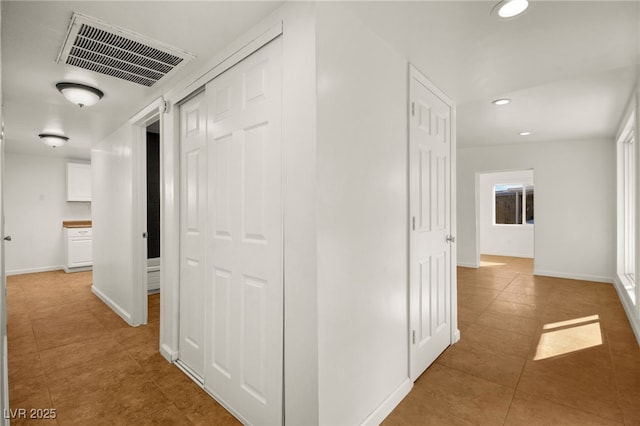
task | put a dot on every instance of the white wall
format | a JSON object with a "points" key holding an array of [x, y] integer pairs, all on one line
{"points": [[35, 206], [112, 166], [362, 219], [502, 240], [300, 196], [575, 204]]}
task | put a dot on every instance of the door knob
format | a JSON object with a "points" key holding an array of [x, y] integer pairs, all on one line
{"points": [[451, 239], [7, 238]]}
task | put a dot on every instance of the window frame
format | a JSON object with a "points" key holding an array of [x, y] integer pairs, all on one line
{"points": [[523, 206]]}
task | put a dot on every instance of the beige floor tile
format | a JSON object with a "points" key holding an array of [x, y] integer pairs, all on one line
{"points": [[573, 389], [496, 340], [507, 322], [107, 373], [471, 398], [516, 309], [495, 367], [529, 410]]}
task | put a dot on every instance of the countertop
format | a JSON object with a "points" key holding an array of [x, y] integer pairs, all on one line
{"points": [[76, 224]]}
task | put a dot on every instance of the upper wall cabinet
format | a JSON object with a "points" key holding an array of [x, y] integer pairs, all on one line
{"points": [[78, 182]]}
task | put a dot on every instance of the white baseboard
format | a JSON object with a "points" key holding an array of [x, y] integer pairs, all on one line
{"points": [[114, 306], [508, 254], [629, 308], [456, 337], [390, 402], [34, 270], [572, 276], [168, 353], [468, 265], [77, 269]]}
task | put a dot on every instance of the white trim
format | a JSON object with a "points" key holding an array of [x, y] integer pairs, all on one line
{"points": [[5, 377], [77, 269], [389, 404], [114, 306], [35, 270], [148, 114], [509, 253], [139, 122], [226, 60], [468, 265], [572, 276], [169, 354], [629, 308], [455, 338]]}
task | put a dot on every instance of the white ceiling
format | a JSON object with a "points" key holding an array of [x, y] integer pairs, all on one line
{"points": [[33, 32], [569, 67]]}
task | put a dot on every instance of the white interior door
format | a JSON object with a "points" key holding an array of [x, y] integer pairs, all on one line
{"points": [[430, 210], [244, 294], [193, 221]]}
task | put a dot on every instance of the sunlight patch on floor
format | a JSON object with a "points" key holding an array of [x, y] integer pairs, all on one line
{"points": [[486, 263], [564, 337]]}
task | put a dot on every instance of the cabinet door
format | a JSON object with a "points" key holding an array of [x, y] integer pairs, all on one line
{"points": [[80, 252], [78, 182]]}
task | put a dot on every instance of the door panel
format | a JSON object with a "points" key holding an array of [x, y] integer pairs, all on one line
{"points": [[430, 208], [192, 232], [244, 314]]}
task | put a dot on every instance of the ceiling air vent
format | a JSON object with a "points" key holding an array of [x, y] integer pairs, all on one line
{"points": [[97, 46]]}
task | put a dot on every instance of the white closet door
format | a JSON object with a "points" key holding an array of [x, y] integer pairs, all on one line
{"points": [[430, 206], [193, 205], [244, 294]]}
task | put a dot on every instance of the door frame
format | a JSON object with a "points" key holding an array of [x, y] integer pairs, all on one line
{"points": [[139, 123], [455, 332], [478, 197]]}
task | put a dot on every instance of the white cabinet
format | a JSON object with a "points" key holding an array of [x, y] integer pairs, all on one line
{"points": [[78, 182], [78, 249]]}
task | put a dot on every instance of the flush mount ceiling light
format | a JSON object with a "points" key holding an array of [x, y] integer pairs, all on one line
{"points": [[80, 94], [524, 133], [511, 8], [501, 101], [53, 140]]}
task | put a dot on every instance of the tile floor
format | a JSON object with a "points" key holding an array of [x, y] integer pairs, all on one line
{"points": [[69, 351], [534, 351]]}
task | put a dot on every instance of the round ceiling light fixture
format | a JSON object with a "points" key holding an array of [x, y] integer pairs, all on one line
{"points": [[503, 101], [80, 94], [53, 140], [511, 8]]}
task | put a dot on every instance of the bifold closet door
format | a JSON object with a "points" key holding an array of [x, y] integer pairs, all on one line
{"points": [[244, 290], [193, 192]]}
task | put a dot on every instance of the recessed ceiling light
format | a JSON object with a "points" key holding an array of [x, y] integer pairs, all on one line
{"points": [[511, 8], [80, 94], [53, 140], [524, 133], [501, 101]]}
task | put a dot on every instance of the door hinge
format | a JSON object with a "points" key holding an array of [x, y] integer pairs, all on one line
{"points": [[413, 223], [413, 336], [145, 235], [413, 108]]}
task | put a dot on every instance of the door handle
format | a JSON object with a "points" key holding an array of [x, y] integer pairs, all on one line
{"points": [[450, 239], [7, 238]]}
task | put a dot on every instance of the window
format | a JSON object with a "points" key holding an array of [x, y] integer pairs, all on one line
{"points": [[513, 204], [627, 189]]}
